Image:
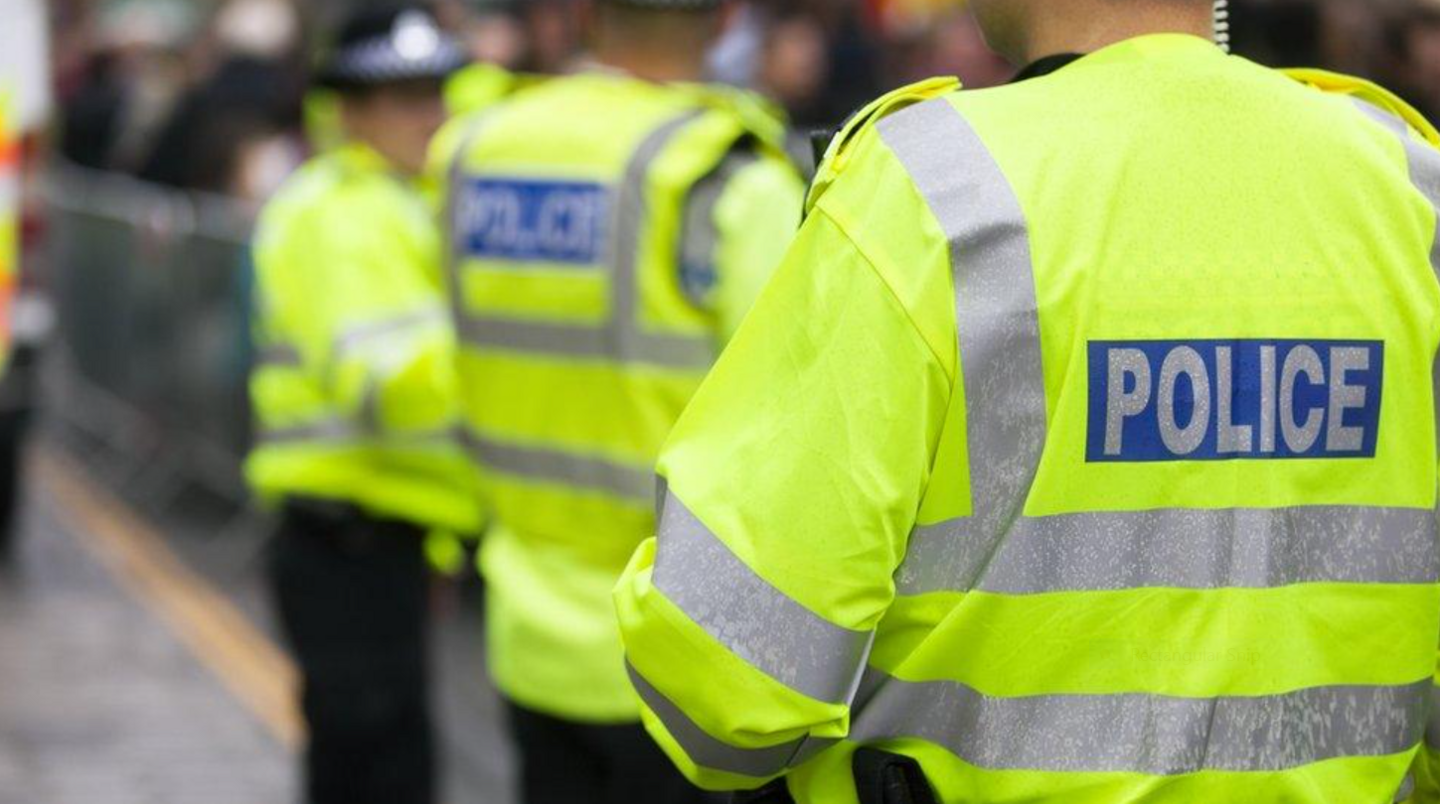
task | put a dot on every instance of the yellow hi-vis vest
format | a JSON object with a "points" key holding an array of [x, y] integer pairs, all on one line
{"points": [[354, 391], [10, 199], [1083, 449], [607, 235]]}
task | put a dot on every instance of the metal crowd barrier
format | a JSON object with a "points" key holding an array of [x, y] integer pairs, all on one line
{"points": [[151, 287]]}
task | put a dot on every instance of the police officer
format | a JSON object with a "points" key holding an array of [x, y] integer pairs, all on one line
{"points": [[1082, 449], [609, 229], [356, 400]]}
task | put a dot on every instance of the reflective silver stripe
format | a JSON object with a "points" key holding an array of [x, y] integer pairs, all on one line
{"points": [[278, 356], [323, 430], [1423, 160], [1187, 549], [1432, 728], [707, 751], [1150, 734], [700, 239], [337, 430], [633, 482], [622, 338], [750, 617], [1407, 788], [999, 327], [357, 336]]}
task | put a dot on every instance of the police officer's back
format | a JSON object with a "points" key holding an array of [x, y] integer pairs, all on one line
{"points": [[608, 231], [355, 402], [1082, 450]]}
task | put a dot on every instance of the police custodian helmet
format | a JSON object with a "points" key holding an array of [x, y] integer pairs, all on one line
{"points": [[385, 46]]}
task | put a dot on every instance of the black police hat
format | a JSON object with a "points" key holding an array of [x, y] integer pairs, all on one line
{"points": [[390, 45]]}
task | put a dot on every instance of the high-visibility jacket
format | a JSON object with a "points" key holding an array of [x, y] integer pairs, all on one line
{"points": [[9, 216], [1082, 449], [607, 234], [354, 391]]}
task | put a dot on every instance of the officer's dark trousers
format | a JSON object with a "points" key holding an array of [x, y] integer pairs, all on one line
{"points": [[575, 763], [352, 596]]}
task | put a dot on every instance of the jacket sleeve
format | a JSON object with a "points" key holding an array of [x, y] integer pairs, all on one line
{"points": [[356, 295], [757, 217], [794, 478], [739, 222]]}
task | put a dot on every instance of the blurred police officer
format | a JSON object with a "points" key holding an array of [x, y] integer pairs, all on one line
{"points": [[355, 399], [1083, 448], [609, 231]]}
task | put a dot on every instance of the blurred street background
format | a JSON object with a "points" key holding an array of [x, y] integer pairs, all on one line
{"points": [[138, 661]]}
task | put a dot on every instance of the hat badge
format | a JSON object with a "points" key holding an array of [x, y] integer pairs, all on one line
{"points": [[415, 36]]}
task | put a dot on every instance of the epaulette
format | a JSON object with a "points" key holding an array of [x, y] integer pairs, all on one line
{"points": [[759, 117], [1373, 94], [833, 163]]}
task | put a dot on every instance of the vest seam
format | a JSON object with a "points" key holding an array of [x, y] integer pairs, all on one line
{"points": [[864, 256]]}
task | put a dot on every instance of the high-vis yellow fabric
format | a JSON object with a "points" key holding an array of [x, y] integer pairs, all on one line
{"points": [[354, 390], [9, 215], [608, 234], [1082, 449]]}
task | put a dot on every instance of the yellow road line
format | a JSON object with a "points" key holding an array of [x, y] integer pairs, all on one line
{"points": [[245, 660]]}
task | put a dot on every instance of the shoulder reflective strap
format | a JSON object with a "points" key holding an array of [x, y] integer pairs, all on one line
{"points": [[996, 318], [1150, 734], [1423, 162], [701, 237], [622, 339]]}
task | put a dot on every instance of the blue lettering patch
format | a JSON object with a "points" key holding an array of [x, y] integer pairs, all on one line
{"points": [[528, 221], [1226, 400]]}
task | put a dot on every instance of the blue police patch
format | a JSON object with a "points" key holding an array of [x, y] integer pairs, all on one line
{"points": [[1226, 400], [529, 221]]}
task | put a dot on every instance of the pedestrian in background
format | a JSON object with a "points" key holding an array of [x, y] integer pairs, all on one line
{"points": [[355, 399], [609, 230], [1083, 448]]}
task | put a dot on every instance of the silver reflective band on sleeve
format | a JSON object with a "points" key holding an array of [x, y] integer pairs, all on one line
{"points": [[1432, 727], [1188, 549], [548, 465], [1149, 734], [750, 617], [995, 310], [342, 431], [706, 751], [1407, 788], [354, 337], [278, 356], [324, 430], [622, 338]]}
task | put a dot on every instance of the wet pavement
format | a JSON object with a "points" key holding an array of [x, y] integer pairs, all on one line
{"points": [[142, 669]]}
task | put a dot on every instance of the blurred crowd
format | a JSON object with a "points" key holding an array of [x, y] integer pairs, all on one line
{"points": [[211, 96]]}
